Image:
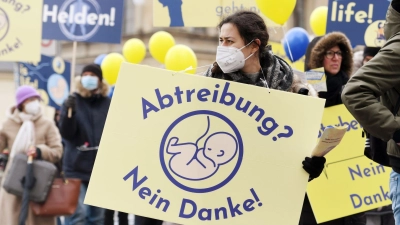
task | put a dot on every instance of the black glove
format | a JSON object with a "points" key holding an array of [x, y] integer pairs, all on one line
{"points": [[303, 91], [314, 166], [70, 103]]}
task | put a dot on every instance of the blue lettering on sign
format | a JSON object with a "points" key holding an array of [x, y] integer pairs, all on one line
{"points": [[358, 200], [232, 8], [357, 20], [352, 125], [145, 193], [83, 20], [190, 208], [366, 172], [267, 124]]}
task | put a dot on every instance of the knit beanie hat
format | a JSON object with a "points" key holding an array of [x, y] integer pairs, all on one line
{"points": [[371, 51], [94, 68], [24, 92]]}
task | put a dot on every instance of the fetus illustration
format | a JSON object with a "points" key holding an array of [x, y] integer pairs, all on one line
{"points": [[192, 162], [4, 24], [3, 20]]}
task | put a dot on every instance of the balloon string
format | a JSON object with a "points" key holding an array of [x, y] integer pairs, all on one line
{"points": [[191, 68], [287, 43]]}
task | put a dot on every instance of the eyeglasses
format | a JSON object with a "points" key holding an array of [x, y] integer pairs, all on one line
{"points": [[331, 54]]}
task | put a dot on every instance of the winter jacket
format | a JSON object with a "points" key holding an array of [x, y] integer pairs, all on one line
{"points": [[379, 77], [335, 83], [48, 140], [84, 127]]}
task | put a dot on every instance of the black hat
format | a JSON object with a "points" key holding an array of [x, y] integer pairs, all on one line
{"points": [[94, 68], [371, 51]]}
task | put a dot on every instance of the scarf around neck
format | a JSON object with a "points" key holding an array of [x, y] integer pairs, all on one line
{"points": [[278, 74], [26, 134], [335, 85]]}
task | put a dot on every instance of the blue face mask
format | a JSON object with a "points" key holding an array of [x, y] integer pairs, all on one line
{"points": [[90, 82]]}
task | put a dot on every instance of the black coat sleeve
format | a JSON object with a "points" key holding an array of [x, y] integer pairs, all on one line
{"points": [[68, 126]]}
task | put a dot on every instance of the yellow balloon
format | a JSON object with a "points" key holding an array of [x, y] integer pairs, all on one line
{"points": [[159, 44], [134, 50], [318, 20], [181, 57], [110, 67], [278, 11]]}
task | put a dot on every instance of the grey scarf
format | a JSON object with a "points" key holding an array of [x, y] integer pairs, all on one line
{"points": [[279, 74]]}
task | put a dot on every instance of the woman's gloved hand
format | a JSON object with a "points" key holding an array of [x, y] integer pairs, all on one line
{"points": [[314, 166]]}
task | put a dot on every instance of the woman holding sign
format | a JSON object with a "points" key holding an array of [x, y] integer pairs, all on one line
{"points": [[333, 52], [243, 56]]}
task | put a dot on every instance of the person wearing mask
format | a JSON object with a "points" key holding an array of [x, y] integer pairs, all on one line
{"points": [[81, 132], [333, 52], [380, 78], [255, 64], [27, 131], [243, 56]]}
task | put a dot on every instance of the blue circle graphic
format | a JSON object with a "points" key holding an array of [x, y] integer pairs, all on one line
{"points": [[58, 88], [231, 175]]}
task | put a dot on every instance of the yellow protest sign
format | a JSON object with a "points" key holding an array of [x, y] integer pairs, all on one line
{"points": [[20, 30], [193, 150], [350, 183], [192, 14]]}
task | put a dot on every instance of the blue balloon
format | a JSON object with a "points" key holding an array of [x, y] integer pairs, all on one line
{"points": [[99, 59], [111, 92], [297, 41]]}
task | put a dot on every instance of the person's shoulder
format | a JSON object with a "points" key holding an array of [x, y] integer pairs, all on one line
{"points": [[45, 123]]}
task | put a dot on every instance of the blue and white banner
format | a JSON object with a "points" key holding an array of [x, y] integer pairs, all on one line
{"points": [[51, 77], [83, 20], [361, 20]]}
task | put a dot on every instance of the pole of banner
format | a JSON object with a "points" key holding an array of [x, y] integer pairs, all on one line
{"points": [[73, 64]]}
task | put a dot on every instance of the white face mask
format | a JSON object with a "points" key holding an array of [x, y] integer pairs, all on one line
{"points": [[90, 82], [32, 107], [231, 59]]}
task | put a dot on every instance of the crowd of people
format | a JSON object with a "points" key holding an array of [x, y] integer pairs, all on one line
{"points": [[356, 79]]}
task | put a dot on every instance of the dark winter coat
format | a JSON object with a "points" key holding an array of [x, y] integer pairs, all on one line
{"points": [[85, 126]]}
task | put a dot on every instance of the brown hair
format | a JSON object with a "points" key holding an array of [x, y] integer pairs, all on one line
{"points": [[250, 26], [327, 42]]}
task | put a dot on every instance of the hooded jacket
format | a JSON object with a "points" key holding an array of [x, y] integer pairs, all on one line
{"points": [[334, 82], [380, 77], [84, 127]]}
